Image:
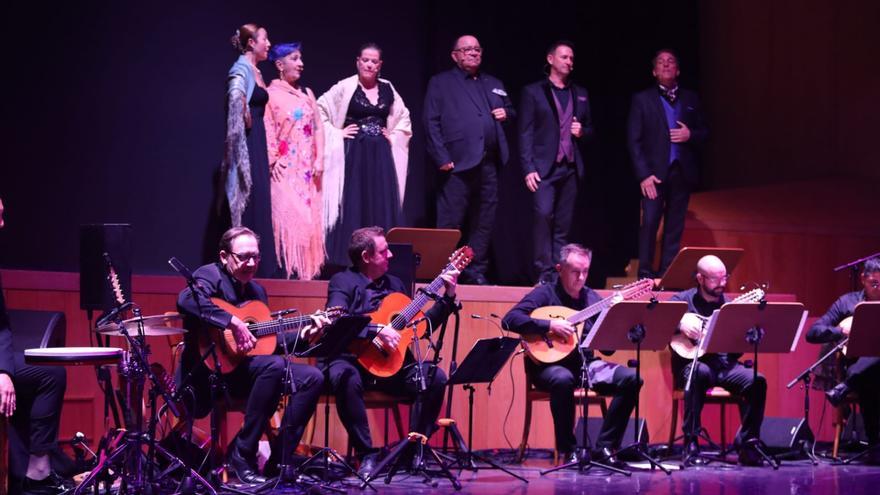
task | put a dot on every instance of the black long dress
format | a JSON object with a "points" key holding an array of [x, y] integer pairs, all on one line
{"points": [[370, 195], [257, 216]]}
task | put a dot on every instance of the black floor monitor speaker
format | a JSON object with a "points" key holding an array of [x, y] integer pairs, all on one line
{"points": [[782, 434], [594, 426], [115, 239]]}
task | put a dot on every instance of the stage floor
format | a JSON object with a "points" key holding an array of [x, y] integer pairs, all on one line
{"points": [[793, 478]]}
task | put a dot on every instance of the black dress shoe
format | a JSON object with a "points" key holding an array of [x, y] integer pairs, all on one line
{"points": [[749, 457], [50, 485], [244, 470], [837, 394], [606, 456], [691, 455], [569, 457], [368, 464]]}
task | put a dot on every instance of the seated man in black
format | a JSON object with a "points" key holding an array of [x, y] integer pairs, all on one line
{"points": [[563, 377], [257, 379], [715, 369], [31, 397], [863, 374], [360, 290]]}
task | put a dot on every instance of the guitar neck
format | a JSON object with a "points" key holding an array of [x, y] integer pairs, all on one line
{"points": [[275, 326], [418, 302], [590, 311]]}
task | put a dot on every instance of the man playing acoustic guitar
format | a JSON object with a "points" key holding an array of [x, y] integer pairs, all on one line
{"points": [[367, 288], [562, 377], [863, 374], [257, 379], [715, 369]]}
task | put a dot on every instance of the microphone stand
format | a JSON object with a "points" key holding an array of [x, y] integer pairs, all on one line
{"points": [[806, 377], [414, 440]]}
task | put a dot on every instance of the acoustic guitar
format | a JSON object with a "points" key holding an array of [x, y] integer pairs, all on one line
{"points": [[397, 311], [687, 347], [259, 321], [546, 348]]}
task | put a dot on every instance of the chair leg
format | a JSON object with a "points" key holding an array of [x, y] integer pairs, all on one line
{"points": [[527, 424], [674, 423], [723, 426]]}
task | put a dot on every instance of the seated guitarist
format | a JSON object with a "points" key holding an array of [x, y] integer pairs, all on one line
{"points": [[863, 375], [257, 379], [715, 369], [360, 290], [563, 377]]}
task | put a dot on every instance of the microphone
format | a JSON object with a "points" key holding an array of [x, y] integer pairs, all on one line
{"points": [[476, 316], [415, 322], [283, 312], [182, 270]]}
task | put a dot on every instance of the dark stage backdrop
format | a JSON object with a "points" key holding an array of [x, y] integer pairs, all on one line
{"points": [[114, 110]]}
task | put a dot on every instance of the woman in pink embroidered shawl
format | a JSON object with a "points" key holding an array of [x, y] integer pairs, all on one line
{"points": [[295, 142]]}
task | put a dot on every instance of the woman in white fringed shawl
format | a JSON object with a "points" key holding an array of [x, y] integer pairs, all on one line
{"points": [[367, 129]]}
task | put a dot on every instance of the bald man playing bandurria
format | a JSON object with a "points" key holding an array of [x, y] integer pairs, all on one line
{"points": [[715, 370]]}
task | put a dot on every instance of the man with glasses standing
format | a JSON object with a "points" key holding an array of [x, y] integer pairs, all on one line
{"points": [[713, 370], [258, 380], [465, 110]]}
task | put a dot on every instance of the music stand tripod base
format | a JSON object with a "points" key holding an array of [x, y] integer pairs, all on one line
{"points": [[481, 365]]}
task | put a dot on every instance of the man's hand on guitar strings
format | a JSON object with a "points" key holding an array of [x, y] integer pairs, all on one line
{"points": [[244, 339], [691, 326], [561, 328]]}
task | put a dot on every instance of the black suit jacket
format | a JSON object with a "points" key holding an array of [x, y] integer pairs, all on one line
{"points": [[359, 295], [538, 125], [202, 315], [648, 135], [452, 119]]}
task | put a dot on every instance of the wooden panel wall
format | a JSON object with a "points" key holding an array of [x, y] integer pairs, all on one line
{"points": [[498, 415]]}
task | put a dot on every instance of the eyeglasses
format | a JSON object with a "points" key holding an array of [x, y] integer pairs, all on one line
{"points": [[723, 278], [470, 49], [244, 258]]}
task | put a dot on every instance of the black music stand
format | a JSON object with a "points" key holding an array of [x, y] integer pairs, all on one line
{"points": [[680, 274], [332, 343], [862, 343], [481, 365], [753, 327], [430, 246], [636, 325]]}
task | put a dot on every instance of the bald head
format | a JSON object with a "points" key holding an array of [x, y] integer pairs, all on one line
{"points": [[710, 264], [467, 53], [711, 277]]}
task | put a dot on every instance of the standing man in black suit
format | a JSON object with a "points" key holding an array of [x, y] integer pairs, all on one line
{"points": [[665, 127], [553, 113], [464, 113]]}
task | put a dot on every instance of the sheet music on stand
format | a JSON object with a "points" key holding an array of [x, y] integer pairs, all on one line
{"points": [[782, 324], [661, 319], [863, 342]]}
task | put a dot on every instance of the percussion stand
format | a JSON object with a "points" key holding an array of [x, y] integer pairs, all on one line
{"points": [[130, 452]]}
